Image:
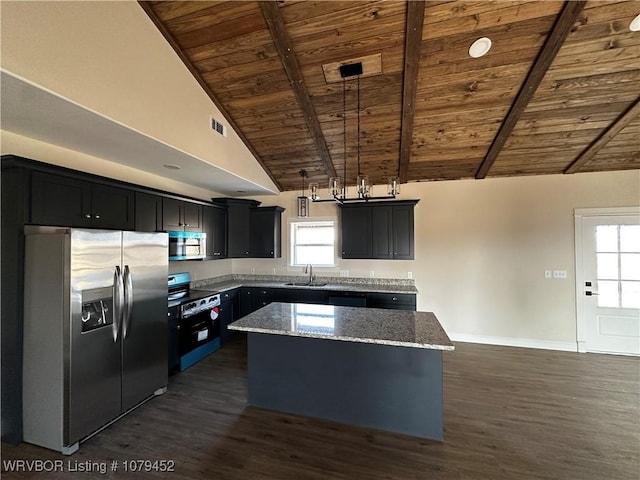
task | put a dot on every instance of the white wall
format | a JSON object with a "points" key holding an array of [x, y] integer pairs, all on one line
{"points": [[11, 143], [482, 248], [110, 58]]}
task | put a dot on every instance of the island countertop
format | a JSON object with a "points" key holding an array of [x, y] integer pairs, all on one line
{"points": [[352, 324]]}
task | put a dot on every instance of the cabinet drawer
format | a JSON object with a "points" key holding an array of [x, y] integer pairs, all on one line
{"points": [[392, 300], [229, 295]]}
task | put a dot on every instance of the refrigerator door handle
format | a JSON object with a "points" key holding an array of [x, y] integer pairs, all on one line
{"points": [[128, 301], [118, 300]]}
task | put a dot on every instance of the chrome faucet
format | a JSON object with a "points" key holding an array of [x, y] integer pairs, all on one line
{"points": [[309, 269]]}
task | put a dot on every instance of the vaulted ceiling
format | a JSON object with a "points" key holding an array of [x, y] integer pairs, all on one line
{"points": [[558, 92]]}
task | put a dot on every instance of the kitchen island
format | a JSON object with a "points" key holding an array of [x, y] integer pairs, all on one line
{"points": [[369, 367]]}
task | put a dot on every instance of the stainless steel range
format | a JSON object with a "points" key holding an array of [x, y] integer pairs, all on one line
{"points": [[193, 322]]}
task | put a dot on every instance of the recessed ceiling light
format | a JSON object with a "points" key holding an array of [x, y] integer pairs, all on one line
{"points": [[480, 47], [171, 166], [634, 26]]}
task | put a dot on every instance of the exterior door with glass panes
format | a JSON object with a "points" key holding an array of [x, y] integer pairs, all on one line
{"points": [[610, 284]]}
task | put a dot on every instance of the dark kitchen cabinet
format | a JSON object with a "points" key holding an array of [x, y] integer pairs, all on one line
{"points": [[174, 338], [245, 301], [214, 224], [180, 215], [261, 298], [71, 202], [383, 230], [300, 295], [356, 231], [395, 301], [266, 232], [253, 298], [402, 223], [228, 312], [238, 225], [148, 212]]}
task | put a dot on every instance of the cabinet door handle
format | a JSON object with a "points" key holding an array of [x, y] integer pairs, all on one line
{"points": [[187, 225], [97, 215], [394, 298], [87, 215]]}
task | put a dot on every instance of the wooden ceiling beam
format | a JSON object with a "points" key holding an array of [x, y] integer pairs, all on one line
{"points": [[284, 46], [624, 119], [413, 44], [558, 34], [148, 8]]}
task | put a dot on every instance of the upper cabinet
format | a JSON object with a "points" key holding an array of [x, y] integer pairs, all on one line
{"points": [[356, 231], [214, 224], [378, 230], [180, 215], [265, 232], [148, 212], [238, 225], [252, 231], [71, 202]]}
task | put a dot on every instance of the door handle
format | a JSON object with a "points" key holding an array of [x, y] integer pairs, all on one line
{"points": [[588, 293], [128, 301], [118, 300]]}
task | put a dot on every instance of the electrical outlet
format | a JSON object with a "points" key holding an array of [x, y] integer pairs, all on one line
{"points": [[559, 274], [253, 269], [409, 275], [344, 273], [547, 274], [273, 271], [372, 273]]}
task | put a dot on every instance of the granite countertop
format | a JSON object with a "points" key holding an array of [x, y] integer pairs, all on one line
{"points": [[352, 324], [322, 283]]}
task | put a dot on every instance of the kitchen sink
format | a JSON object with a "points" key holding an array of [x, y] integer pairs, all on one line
{"points": [[305, 284]]}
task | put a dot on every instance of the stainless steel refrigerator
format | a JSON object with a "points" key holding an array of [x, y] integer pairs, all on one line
{"points": [[95, 330]]}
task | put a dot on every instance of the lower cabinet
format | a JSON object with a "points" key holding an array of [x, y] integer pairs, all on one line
{"points": [[174, 339], [251, 299], [228, 312], [300, 295], [396, 301]]}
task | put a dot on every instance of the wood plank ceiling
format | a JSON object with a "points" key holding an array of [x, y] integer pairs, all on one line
{"points": [[557, 93]]}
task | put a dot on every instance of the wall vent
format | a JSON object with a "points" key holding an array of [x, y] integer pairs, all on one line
{"points": [[218, 127]]}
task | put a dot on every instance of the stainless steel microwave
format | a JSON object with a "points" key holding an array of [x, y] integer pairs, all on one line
{"points": [[187, 245]]}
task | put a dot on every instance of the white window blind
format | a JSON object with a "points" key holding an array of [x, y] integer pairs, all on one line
{"points": [[313, 242]]}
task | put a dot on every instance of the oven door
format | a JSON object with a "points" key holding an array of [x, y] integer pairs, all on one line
{"points": [[198, 329]]}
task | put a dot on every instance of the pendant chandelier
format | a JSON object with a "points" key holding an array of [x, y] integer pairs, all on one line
{"points": [[303, 200], [338, 185]]}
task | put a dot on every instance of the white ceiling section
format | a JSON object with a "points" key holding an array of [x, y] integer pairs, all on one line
{"points": [[37, 113], [98, 78]]}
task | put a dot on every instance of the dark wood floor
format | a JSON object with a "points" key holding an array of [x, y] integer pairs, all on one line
{"points": [[510, 413]]}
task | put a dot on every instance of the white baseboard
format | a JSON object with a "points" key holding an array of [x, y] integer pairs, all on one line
{"points": [[515, 342]]}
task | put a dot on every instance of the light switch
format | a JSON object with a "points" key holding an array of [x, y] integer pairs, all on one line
{"points": [[559, 274], [547, 274]]}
